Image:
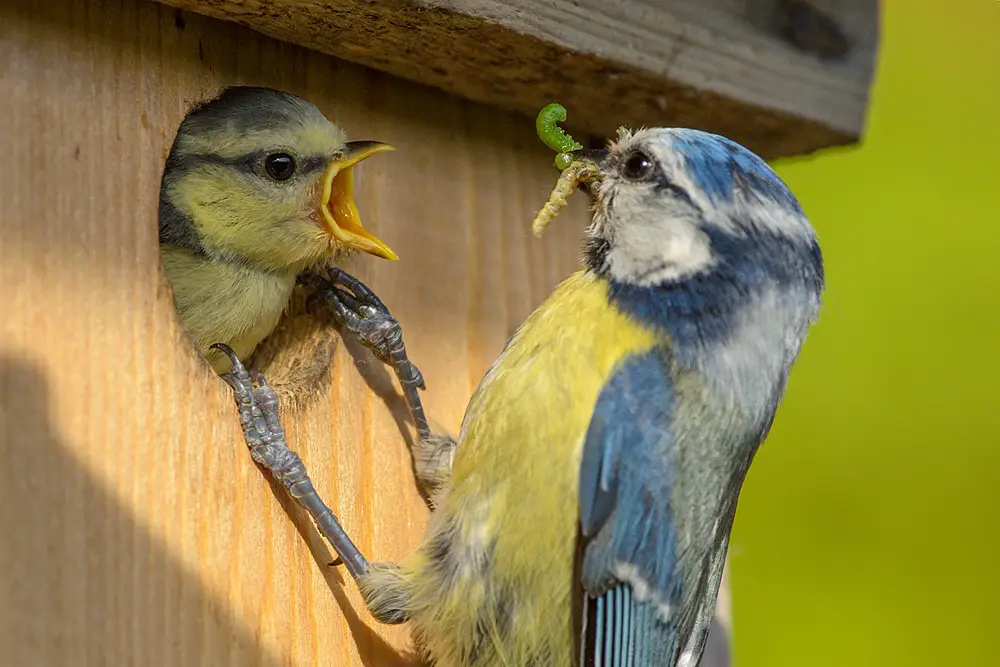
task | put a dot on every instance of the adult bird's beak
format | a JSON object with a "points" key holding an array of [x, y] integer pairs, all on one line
{"points": [[591, 156], [583, 171], [339, 213]]}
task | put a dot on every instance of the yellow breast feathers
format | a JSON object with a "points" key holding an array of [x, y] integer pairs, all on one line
{"points": [[221, 302], [487, 534]]}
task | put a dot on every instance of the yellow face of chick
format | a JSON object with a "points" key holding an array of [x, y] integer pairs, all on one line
{"points": [[267, 179]]}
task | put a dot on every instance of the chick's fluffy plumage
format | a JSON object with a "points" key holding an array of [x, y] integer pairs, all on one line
{"points": [[232, 238]]}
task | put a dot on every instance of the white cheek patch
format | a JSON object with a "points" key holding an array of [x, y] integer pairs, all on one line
{"points": [[652, 251]]}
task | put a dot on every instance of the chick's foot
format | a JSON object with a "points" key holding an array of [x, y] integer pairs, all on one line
{"points": [[357, 310], [264, 435]]}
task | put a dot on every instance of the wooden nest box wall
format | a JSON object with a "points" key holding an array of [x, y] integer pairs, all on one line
{"points": [[137, 531]]}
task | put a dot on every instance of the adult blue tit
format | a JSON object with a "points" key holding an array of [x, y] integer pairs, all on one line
{"points": [[257, 191], [584, 514]]}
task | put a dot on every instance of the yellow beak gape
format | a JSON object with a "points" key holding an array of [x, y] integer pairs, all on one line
{"points": [[339, 212]]}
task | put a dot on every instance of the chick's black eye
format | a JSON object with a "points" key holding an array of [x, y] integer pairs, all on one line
{"points": [[279, 166], [638, 166]]}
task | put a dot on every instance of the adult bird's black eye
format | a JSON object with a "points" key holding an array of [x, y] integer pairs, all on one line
{"points": [[638, 166], [279, 166]]}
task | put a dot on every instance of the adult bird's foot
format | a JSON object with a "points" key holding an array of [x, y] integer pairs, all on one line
{"points": [[264, 435], [356, 309]]}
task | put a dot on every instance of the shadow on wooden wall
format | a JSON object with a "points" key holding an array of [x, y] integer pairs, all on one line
{"points": [[137, 530], [73, 552]]}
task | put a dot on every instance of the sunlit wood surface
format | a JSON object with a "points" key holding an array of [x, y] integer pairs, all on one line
{"points": [[135, 528]]}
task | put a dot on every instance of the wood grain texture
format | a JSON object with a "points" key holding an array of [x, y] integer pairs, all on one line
{"points": [[136, 530], [717, 65]]}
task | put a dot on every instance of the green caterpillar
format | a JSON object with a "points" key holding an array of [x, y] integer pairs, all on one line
{"points": [[547, 126]]}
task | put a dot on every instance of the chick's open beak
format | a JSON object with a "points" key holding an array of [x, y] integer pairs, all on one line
{"points": [[339, 212]]}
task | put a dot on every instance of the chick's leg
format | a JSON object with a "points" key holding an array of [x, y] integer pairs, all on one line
{"points": [[264, 435], [356, 309], [383, 586]]}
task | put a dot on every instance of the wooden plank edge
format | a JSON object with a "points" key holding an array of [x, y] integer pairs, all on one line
{"points": [[444, 49]]}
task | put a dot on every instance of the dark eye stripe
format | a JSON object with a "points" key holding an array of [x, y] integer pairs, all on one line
{"points": [[662, 183], [308, 165], [249, 163], [660, 180]]}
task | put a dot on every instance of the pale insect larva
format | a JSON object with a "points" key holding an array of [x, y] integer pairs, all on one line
{"points": [[576, 173], [573, 172]]}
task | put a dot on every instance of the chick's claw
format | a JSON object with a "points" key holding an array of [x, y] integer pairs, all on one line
{"points": [[356, 309], [264, 436], [361, 312], [258, 407]]}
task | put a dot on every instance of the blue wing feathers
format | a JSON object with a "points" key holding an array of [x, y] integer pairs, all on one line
{"points": [[597, 648], [627, 623], [632, 415], [596, 479], [626, 633], [625, 483], [620, 635]]}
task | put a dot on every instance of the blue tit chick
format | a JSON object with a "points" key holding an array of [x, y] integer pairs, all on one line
{"points": [[257, 189], [585, 514]]}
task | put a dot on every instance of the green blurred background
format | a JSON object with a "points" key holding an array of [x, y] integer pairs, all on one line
{"points": [[869, 529]]}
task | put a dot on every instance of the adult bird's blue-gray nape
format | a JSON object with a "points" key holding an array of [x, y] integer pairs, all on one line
{"points": [[583, 516]]}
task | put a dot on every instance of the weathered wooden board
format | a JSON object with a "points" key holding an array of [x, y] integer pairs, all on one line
{"points": [[753, 70], [135, 528]]}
